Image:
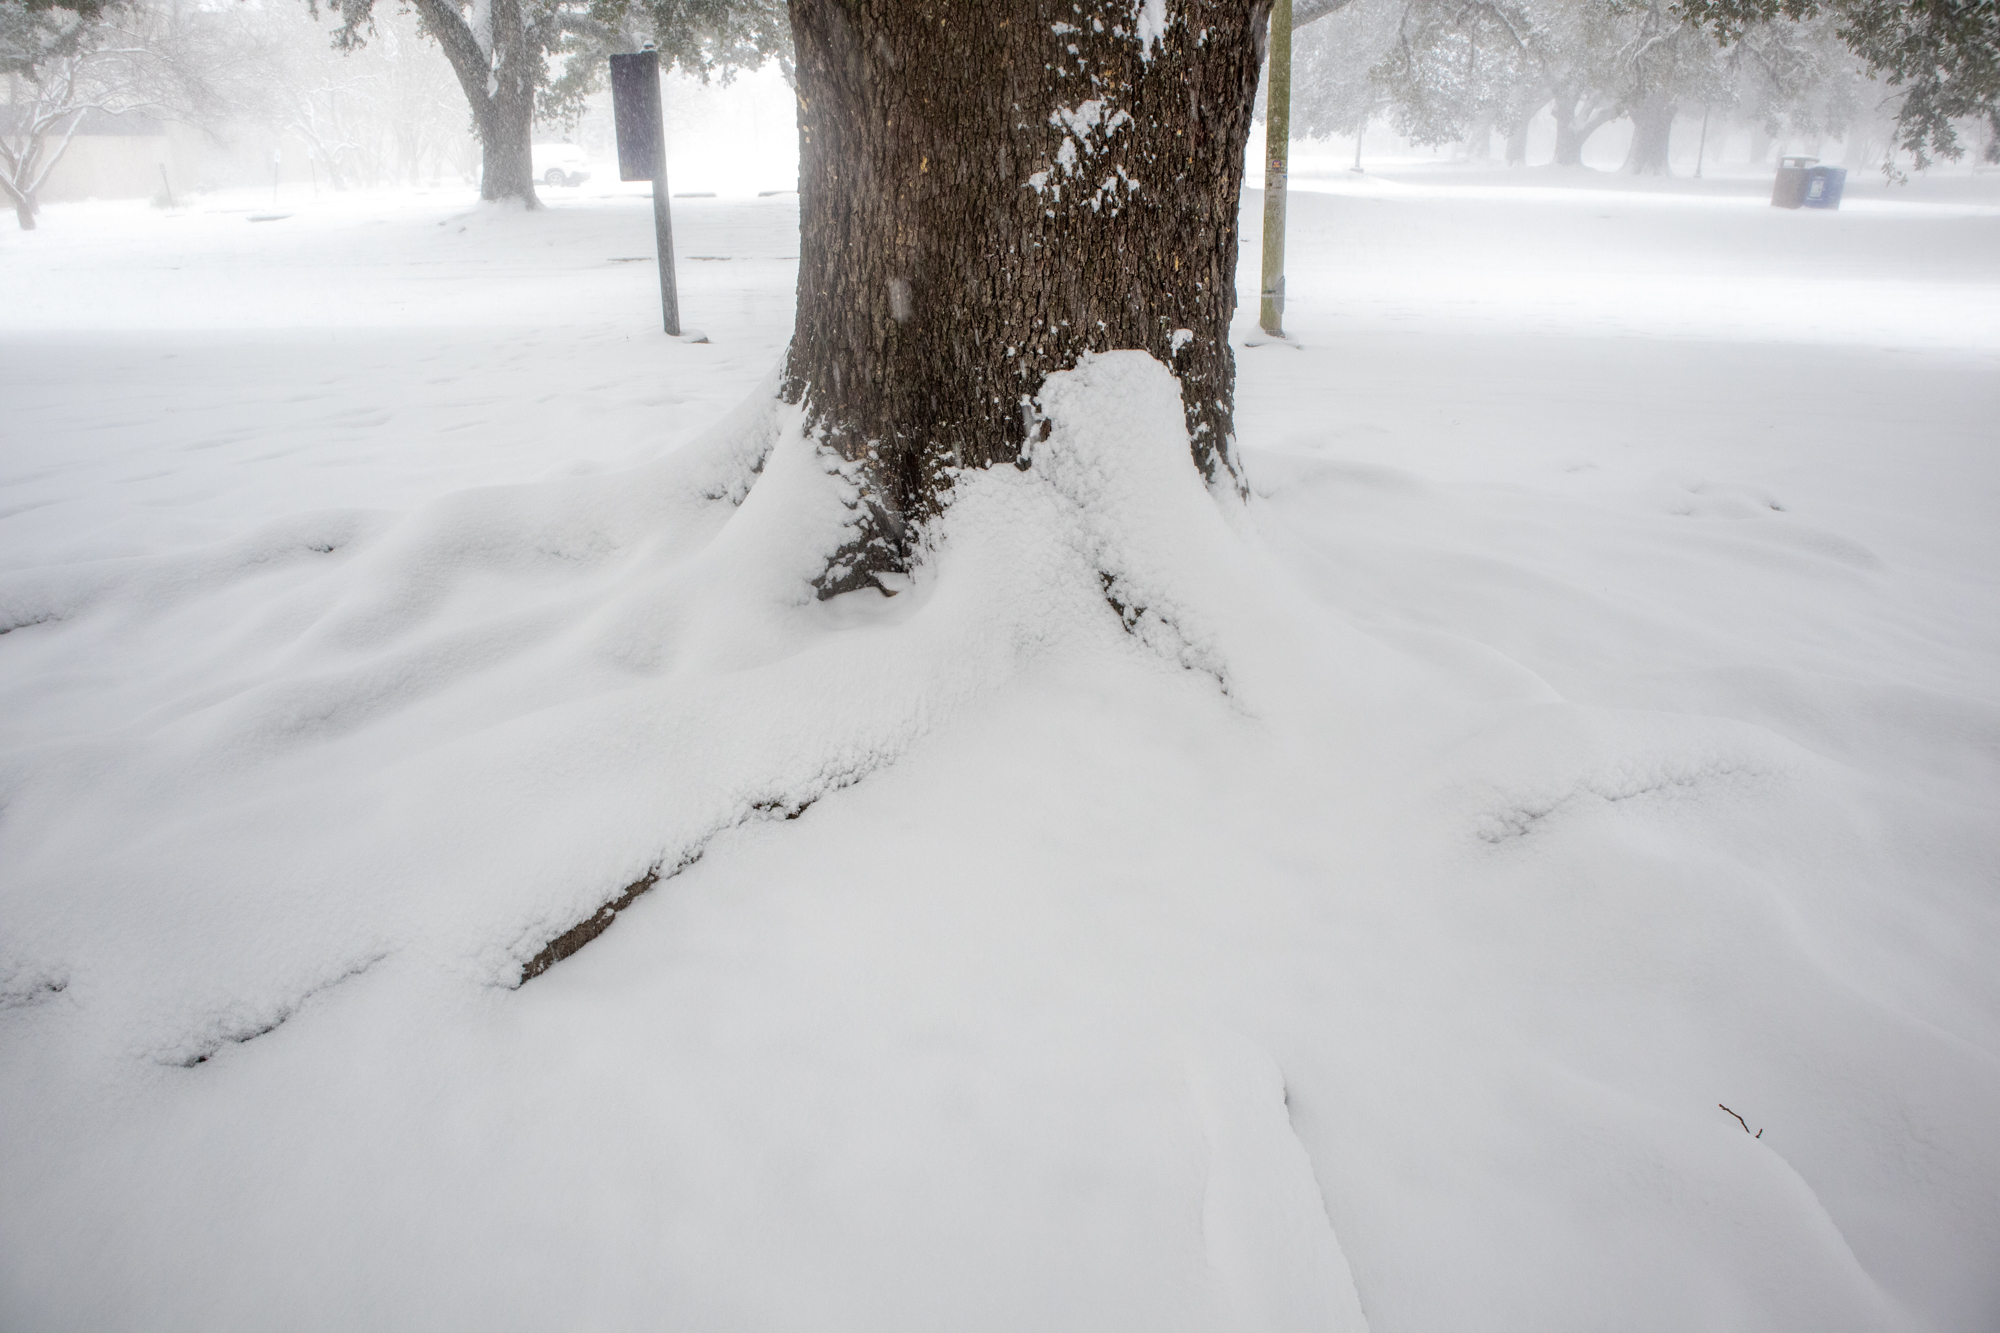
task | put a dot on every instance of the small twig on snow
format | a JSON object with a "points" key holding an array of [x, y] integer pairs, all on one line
{"points": [[1746, 1124]]}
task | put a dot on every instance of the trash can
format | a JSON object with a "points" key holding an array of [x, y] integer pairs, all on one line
{"points": [[1789, 190], [1823, 187]]}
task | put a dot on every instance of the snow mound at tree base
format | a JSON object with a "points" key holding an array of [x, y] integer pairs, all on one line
{"points": [[1152, 948], [462, 733]]}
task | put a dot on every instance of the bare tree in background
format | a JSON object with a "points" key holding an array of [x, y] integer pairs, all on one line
{"points": [[1445, 68], [390, 110], [42, 115], [166, 58], [1809, 67]]}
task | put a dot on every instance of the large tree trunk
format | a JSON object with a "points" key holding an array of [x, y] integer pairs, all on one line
{"points": [[1574, 128], [24, 213], [987, 192], [1652, 137], [1569, 136], [1478, 144], [496, 71], [1517, 139], [506, 136], [1578, 115], [1760, 145], [507, 121]]}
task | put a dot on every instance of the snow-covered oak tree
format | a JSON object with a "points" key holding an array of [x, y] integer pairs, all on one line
{"points": [[1943, 57], [499, 50], [1448, 70], [32, 32], [1665, 63], [988, 191]]}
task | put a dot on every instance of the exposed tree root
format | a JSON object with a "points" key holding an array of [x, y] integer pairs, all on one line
{"points": [[17, 993], [882, 542], [28, 623], [588, 929], [1160, 633], [236, 1036]]}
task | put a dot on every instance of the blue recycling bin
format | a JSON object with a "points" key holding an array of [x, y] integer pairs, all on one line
{"points": [[1823, 187], [1789, 190]]}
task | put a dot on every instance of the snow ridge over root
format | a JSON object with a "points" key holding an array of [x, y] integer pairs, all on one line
{"points": [[588, 929], [1144, 527], [248, 1024], [1550, 766], [33, 597], [1010, 577], [457, 740], [21, 987]]}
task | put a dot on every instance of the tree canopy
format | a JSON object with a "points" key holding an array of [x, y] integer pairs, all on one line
{"points": [[33, 32], [1447, 69], [1943, 54]]}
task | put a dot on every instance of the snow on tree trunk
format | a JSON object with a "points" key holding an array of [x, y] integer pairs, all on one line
{"points": [[494, 57], [1652, 137], [507, 127], [987, 193], [506, 134], [22, 171]]}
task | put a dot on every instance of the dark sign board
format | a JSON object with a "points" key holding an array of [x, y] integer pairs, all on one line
{"points": [[635, 103], [642, 156]]}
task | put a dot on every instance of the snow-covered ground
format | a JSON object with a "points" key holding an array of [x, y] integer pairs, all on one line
{"points": [[1592, 723]]}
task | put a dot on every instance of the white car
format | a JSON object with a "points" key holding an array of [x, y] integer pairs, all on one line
{"points": [[559, 164]]}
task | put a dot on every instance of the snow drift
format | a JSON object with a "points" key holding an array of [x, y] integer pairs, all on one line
{"points": [[1101, 933]]}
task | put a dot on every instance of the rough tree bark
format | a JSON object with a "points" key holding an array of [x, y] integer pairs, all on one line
{"points": [[988, 190], [1652, 136]]}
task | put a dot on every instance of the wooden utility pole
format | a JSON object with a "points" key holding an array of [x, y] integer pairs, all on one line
{"points": [[1277, 140]]}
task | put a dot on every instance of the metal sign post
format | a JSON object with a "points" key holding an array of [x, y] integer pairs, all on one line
{"points": [[635, 102], [1277, 140]]}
